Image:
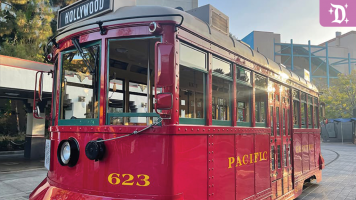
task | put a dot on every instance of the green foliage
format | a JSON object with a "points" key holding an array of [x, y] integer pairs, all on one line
{"points": [[26, 26], [340, 99], [8, 143]]}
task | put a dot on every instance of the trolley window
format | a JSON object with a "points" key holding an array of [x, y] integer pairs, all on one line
{"points": [[131, 81], [315, 114], [192, 73], [192, 57], [310, 111], [260, 107], [79, 95], [271, 117], [243, 102], [277, 121], [296, 110], [221, 92], [304, 110], [273, 158]]}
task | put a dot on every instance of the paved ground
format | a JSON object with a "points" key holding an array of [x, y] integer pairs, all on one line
{"points": [[339, 176]]}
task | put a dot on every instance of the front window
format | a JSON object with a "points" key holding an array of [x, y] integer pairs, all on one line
{"points": [[131, 81], [80, 86]]}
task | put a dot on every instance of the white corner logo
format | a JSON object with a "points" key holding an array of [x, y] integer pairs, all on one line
{"points": [[343, 13]]}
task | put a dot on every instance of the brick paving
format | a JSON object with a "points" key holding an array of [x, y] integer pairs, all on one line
{"points": [[339, 177]]}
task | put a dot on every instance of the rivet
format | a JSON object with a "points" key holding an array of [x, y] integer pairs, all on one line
{"points": [[192, 129], [186, 129], [198, 129], [176, 110], [179, 129], [176, 98]]}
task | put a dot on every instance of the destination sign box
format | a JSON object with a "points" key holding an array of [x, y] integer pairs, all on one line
{"points": [[82, 10]]}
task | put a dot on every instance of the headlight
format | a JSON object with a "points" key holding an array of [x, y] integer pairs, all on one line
{"points": [[65, 152], [68, 152]]}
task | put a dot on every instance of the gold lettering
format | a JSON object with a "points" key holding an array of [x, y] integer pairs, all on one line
{"points": [[251, 161], [260, 156], [265, 155], [231, 161], [238, 163], [243, 159], [256, 156]]}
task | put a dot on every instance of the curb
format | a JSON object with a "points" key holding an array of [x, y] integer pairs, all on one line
{"points": [[11, 152]]}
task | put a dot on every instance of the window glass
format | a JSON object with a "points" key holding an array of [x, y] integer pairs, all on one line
{"points": [[243, 97], [310, 99], [116, 100], [221, 67], [315, 117], [80, 87], [288, 122], [192, 57], [271, 111], [261, 81], [221, 99], [273, 158], [310, 116], [296, 94], [279, 156], [315, 101], [296, 112], [191, 93], [303, 97], [130, 81], [285, 155], [277, 120], [283, 122], [260, 105], [290, 159], [303, 114], [243, 74]]}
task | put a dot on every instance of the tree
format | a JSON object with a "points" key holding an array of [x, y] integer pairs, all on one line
{"points": [[340, 99], [26, 26]]}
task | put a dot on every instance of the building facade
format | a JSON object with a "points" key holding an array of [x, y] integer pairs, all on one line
{"points": [[324, 61]]}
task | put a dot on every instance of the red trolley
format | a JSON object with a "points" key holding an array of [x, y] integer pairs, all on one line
{"points": [[152, 103]]}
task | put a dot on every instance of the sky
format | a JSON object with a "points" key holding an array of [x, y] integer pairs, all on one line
{"points": [[293, 19]]}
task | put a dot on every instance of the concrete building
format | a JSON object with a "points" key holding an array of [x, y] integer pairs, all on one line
{"points": [[185, 4], [324, 61], [17, 82]]}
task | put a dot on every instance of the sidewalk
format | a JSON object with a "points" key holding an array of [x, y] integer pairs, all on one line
{"points": [[15, 161], [339, 175]]}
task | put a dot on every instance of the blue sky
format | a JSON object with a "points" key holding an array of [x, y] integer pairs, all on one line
{"points": [[293, 19]]}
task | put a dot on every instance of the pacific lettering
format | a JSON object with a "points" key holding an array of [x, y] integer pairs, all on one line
{"points": [[247, 159]]}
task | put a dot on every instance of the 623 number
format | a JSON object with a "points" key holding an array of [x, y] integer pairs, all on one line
{"points": [[128, 179]]}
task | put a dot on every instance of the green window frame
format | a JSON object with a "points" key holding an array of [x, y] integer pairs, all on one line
{"points": [[196, 67], [80, 122]]}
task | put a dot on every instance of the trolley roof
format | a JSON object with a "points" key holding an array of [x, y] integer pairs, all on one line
{"points": [[132, 14]]}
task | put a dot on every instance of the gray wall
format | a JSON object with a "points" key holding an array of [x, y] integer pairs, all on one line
{"points": [[332, 132]]}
